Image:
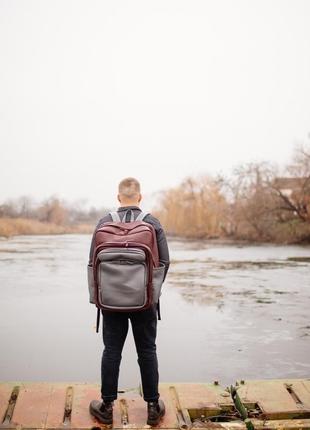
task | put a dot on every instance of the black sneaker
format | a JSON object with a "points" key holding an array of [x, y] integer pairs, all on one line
{"points": [[155, 410], [103, 411]]}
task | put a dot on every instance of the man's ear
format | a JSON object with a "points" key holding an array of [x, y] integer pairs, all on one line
{"points": [[118, 198], [140, 198]]}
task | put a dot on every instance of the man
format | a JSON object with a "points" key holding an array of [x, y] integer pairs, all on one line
{"points": [[144, 325]]}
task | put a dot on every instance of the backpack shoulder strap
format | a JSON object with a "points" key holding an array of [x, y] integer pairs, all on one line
{"points": [[115, 217], [141, 216]]}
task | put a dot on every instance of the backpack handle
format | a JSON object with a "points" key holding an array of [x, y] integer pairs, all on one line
{"points": [[116, 218], [132, 217]]}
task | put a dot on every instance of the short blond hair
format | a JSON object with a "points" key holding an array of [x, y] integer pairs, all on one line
{"points": [[129, 188]]}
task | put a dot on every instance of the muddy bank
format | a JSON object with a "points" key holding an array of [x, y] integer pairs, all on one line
{"points": [[236, 241]]}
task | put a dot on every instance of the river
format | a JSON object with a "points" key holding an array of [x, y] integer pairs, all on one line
{"points": [[228, 312]]}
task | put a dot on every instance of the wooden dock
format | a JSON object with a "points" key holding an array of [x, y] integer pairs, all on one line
{"points": [[248, 405]]}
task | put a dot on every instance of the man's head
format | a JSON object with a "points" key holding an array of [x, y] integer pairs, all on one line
{"points": [[129, 192]]}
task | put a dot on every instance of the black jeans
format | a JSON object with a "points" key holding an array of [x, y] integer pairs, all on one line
{"points": [[115, 328]]}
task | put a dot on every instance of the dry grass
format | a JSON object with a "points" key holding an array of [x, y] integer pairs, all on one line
{"points": [[21, 226]]}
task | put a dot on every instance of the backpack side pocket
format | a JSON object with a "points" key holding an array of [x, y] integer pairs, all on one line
{"points": [[158, 279], [91, 284]]}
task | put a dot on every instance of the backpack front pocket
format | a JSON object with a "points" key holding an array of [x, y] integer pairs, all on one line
{"points": [[122, 278]]}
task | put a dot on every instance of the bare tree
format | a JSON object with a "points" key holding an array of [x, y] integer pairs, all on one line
{"points": [[25, 207], [195, 208], [250, 200], [293, 190], [53, 211]]}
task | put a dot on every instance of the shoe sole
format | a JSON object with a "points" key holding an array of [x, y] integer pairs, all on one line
{"points": [[153, 423]]}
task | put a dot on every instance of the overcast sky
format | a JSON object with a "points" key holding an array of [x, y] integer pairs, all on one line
{"points": [[93, 91]]}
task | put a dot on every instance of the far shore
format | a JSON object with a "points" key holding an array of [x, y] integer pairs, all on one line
{"points": [[22, 226], [10, 227]]}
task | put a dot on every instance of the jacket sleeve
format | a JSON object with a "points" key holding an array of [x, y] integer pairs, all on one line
{"points": [[163, 249]]}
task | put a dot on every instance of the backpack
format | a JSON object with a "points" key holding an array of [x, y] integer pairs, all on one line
{"points": [[126, 275]]}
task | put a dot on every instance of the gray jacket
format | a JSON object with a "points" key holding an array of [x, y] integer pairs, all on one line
{"points": [[163, 250]]}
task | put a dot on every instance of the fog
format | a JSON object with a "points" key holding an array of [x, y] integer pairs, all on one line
{"points": [[92, 92]]}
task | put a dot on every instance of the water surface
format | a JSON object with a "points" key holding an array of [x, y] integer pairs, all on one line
{"points": [[228, 312]]}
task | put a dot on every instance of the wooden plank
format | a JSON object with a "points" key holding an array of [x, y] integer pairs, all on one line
{"points": [[32, 405], [199, 396], [82, 396], [42, 405], [5, 394], [296, 424], [170, 420], [233, 425], [135, 407], [56, 406], [302, 390], [272, 397]]}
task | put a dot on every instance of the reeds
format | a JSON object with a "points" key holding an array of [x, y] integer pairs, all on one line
{"points": [[22, 226]]}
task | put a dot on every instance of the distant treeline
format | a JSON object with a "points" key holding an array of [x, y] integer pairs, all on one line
{"points": [[52, 216], [258, 202]]}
